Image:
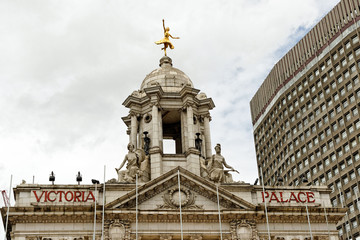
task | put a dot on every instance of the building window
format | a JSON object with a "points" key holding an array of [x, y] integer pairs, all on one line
{"points": [[341, 50], [354, 223], [320, 166], [322, 179], [342, 166], [357, 157], [327, 162], [329, 175], [351, 208], [332, 188], [344, 135], [355, 112], [347, 227], [306, 162], [340, 230], [351, 129], [346, 148], [334, 203]]}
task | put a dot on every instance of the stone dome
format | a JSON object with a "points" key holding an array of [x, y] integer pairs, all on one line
{"points": [[169, 78]]}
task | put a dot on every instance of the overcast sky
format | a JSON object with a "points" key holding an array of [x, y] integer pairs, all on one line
{"points": [[66, 67]]}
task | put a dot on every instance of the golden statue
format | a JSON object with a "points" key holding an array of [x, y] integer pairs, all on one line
{"points": [[166, 40]]}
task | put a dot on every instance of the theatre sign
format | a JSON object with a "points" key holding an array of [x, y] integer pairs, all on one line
{"points": [[63, 196]]}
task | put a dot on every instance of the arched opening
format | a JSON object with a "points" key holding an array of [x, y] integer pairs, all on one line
{"points": [[172, 132]]}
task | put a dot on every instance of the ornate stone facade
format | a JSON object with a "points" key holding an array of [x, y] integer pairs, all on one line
{"points": [[241, 208], [177, 196]]}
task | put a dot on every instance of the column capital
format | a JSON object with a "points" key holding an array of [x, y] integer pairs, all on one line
{"points": [[206, 115], [155, 103], [202, 117], [188, 104], [134, 114]]}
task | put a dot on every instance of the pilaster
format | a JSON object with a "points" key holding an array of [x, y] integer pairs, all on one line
{"points": [[133, 129], [207, 119]]}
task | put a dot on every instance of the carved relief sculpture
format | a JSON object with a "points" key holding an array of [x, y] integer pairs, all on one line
{"points": [[116, 230], [244, 230], [172, 200]]}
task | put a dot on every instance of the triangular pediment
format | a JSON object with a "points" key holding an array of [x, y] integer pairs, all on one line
{"points": [[166, 187]]}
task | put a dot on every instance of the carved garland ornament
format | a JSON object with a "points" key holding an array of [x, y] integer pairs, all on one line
{"points": [[244, 230], [171, 199], [116, 230]]}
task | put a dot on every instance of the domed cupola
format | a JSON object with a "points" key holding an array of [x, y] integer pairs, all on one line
{"points": [[168, 108], [169, 78]]}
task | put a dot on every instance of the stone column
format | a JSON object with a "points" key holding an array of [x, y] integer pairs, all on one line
{"points": [[133, 132], [184, 132], [207, 119], [160, 131], [140, 143], [155, 125], [192, 158], [155, 152], [190, 125]]}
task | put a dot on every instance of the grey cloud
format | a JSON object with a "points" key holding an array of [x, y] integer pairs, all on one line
{"points": [[66, 67]]}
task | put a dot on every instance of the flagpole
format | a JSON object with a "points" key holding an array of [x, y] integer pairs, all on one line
{"points": [[342, 205], [218, 203], [8, 208], [327, 222], [103, 208], [136, 199], [96, 196], [308, 217], [181, 225], [266, 213]]}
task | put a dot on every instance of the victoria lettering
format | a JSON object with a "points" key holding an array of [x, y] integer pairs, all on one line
{"points": [[64, 196], [298, 197]]}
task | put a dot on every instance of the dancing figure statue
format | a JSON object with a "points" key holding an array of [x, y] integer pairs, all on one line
{"points": [[166, 40], [216, 170]]}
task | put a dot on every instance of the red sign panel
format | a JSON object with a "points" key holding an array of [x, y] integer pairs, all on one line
{"points": [[64, 196], [289, 197]]}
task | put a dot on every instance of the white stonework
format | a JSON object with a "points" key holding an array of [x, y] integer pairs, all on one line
{"points": [[167, 106], [241, 210]]}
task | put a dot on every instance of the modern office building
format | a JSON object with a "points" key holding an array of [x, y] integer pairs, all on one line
{"points": [[306, 114]]}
